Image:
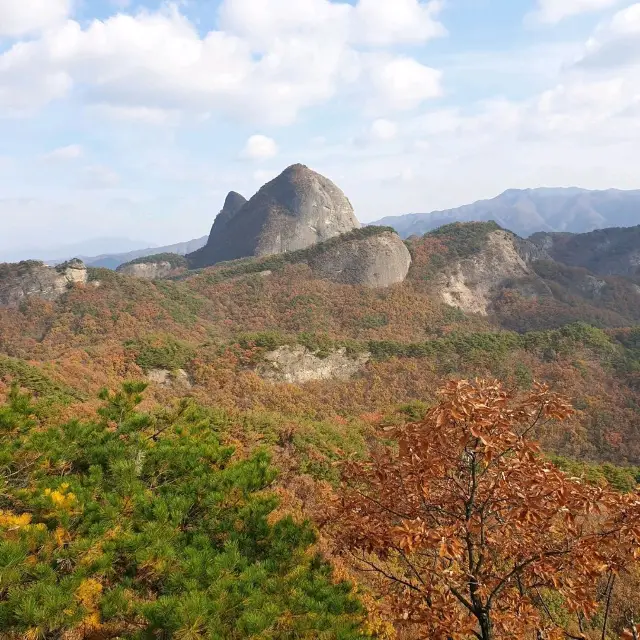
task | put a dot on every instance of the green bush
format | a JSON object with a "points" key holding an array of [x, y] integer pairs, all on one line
{"points": [[464, 239], [161, 352]]}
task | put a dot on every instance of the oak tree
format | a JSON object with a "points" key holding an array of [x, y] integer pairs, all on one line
{"points": [[471, 532]]}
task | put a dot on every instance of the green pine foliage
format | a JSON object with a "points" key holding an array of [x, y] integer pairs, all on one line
{"points": [[464, 239], [146, 526]]}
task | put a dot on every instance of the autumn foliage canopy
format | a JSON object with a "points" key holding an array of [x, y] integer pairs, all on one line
{"points": [[469, 532]]}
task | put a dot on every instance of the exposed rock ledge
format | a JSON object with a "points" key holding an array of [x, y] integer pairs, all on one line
{"points": [[296, 365], [166, 378], [31, 278], [375, 261], [471, 284], [148, 270]]}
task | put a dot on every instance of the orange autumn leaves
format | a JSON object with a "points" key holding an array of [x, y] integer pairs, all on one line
{"points": [[467, 530]]}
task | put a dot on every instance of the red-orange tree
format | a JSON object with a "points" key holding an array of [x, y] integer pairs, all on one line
{"points": [[471, 532]]}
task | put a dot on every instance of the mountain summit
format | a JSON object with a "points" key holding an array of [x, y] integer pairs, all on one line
{"points": [[297, 209]]}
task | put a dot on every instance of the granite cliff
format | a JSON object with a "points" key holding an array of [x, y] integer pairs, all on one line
{"points": [[297, 209]]}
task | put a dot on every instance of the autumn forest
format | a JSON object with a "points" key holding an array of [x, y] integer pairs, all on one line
{"points": [[249, 450]]}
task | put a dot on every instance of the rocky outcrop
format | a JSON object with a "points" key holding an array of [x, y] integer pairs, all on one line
{"points": [[296, 365], [232, 204], [472, 283], [155, 267], [297, 209], [377, 261], [166, 378], [26, 279], [148, 270]]}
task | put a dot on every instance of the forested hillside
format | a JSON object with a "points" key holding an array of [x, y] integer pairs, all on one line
{"points": [[209, 474]]}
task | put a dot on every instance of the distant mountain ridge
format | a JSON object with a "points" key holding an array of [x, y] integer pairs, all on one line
{"points": [[114, 260], [529, 211], [605, 252]]}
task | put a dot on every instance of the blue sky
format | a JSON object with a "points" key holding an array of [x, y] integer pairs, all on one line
{"points": [[134, 119]]}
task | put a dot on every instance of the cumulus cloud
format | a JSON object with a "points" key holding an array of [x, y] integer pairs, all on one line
{"points": [[23, 17], [399, 83], [70, 152], [260, 147], [616, 43], [382, 129], [262, 65], [554, 11], [380, 22]]}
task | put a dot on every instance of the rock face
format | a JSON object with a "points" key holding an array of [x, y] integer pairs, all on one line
{"points": [[605, 252], [148, 270], [166, 378], [297, 209], [296, 365], [472, 283], [25, 279], [376, 261]]}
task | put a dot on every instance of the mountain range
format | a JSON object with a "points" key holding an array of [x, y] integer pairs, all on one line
{"points": [[522, 211], [528, 211]]}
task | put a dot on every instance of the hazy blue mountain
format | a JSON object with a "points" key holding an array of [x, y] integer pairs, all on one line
{"points": [[113, 261], [532, 210], [93, 247]]}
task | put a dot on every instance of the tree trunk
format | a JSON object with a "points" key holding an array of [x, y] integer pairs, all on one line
{"points": [[486, 628]]}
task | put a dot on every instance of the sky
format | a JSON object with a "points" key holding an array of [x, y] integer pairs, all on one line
{"points": [[133, 119]]}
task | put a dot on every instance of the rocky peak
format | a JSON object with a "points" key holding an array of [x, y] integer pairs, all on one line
{"points": [[297, 209], [32, 278], [232, 204]]}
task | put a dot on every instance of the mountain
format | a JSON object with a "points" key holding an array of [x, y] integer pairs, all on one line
{"points": [[57, 254], [297, 209], [533, 210], [114, 260], [481, 269], [605, 252]]}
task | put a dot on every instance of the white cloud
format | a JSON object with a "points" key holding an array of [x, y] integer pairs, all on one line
{"points": [[22, 17], [382, 129], [260, 147], [616, 43], [380, 22], [138, 115], [264, 66], [401, 83], [554, 11], [70, 152]]}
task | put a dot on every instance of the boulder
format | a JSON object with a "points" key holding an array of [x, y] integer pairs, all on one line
{"points": [[296, 365], [376, 261]]}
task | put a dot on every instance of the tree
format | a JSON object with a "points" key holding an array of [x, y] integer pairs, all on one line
{"points": [[471, 532], [145, 526]]}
